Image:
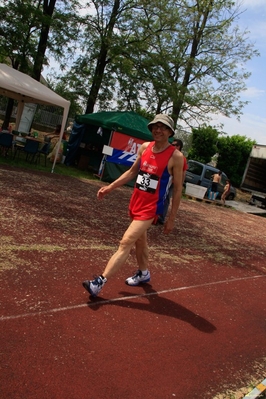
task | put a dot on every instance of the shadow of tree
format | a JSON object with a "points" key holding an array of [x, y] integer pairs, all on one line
{"points": [[158, 305]]}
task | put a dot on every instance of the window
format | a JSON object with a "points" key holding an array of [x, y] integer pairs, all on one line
{"points": [[195, 168], [223, 179], [209, 173]]}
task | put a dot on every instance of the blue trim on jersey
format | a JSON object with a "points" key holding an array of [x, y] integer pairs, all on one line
{"points": [[165, 184]]}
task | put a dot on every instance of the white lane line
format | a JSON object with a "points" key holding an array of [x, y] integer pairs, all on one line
{"points": [[125, 298]]}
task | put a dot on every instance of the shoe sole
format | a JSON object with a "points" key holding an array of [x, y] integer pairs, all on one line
{"points": [[140, 282], [87, 288]]}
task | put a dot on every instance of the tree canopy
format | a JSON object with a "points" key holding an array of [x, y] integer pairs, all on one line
{"points": [[233, 152], [233, 156], [204, 144], [30, 28], [186, 58]]}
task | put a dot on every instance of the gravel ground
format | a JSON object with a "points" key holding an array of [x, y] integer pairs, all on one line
{"points": [[45, 200]]}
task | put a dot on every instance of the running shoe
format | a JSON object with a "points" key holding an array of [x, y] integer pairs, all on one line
{"points": [[138, 278], [94, 286]]}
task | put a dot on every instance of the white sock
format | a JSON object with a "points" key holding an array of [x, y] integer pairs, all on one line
{"points": [[144, 272], [103, 279]]}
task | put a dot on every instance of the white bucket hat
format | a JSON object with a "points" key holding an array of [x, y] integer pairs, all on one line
{"points": [[165, 119]]}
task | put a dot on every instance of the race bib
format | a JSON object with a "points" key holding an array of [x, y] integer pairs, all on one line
{"points": [[147, 182]]}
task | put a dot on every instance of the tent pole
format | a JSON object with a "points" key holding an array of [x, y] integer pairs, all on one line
{"points": [[104, 157], [64, 121]]}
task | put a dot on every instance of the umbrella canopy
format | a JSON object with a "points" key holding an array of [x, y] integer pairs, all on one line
{"points": [[127, 122], [22, 87]]}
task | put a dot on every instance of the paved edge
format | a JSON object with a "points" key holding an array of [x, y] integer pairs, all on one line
{"points": [[258, 390]]}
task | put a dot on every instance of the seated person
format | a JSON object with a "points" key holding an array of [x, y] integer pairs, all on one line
{"points": [[56, 134]]}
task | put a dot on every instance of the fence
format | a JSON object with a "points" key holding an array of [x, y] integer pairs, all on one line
{"points": [[45, 118]]}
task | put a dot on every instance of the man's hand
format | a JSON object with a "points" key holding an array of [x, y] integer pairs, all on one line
{"points": [[168, 226], [103, 191]]}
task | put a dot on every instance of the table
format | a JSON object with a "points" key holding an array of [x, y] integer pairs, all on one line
{"points": [[22, 144], [24, 138]]}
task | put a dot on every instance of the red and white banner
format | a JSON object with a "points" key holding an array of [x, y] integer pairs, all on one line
{"points": [[126, 143]]}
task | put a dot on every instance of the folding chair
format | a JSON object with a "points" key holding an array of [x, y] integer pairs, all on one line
{"points": [[6, 140], [30, 149], [45, 149]]}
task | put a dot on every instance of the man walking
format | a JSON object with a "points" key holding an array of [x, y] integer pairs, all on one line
{"points": [[158, 164]]}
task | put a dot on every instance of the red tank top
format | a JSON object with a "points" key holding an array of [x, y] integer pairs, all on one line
{"points": [[152, 184]]}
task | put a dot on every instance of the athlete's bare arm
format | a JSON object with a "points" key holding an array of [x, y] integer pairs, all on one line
{"points": [[175, 167], [126, 176]]}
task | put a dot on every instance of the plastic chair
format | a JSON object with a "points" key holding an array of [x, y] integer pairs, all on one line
{"points": [[45, 149], [30, 149], [6, 140]]}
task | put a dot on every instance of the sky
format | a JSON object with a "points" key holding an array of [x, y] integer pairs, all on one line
{"points": [[252, 122]]}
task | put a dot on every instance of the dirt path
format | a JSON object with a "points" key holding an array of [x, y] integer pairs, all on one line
{"points": [[197, 330]]}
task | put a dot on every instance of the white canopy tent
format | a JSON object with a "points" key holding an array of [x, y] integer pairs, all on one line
{"points": [[24, 89]]}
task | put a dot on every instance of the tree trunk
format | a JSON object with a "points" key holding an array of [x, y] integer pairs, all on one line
{"points": [[102, 60], [96, 82], [198, 32], [48, 9], [8, 114]]}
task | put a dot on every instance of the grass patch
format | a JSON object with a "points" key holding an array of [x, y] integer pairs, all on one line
{"points": [[60, 169]]}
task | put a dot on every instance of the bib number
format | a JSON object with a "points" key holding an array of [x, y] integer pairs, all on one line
{"points": [[147, 182]]}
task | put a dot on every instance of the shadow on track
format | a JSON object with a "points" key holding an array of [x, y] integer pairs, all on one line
{"points": [[158, 305]]}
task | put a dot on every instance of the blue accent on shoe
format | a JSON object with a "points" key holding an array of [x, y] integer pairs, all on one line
{"points": [[94, 286], [138, 278]]}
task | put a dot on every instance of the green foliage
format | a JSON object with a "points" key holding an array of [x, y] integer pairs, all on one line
{"points": [[186, 138], [233, 156], [75, 106], [60, 169], [30, 27], [162, 55], [141, 111], [174, 59], [233, 151], [19, 32], [204, 144]]}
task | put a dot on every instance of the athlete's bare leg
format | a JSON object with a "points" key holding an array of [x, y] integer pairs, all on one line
{"points": [[135, 231], [142, 252]]}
